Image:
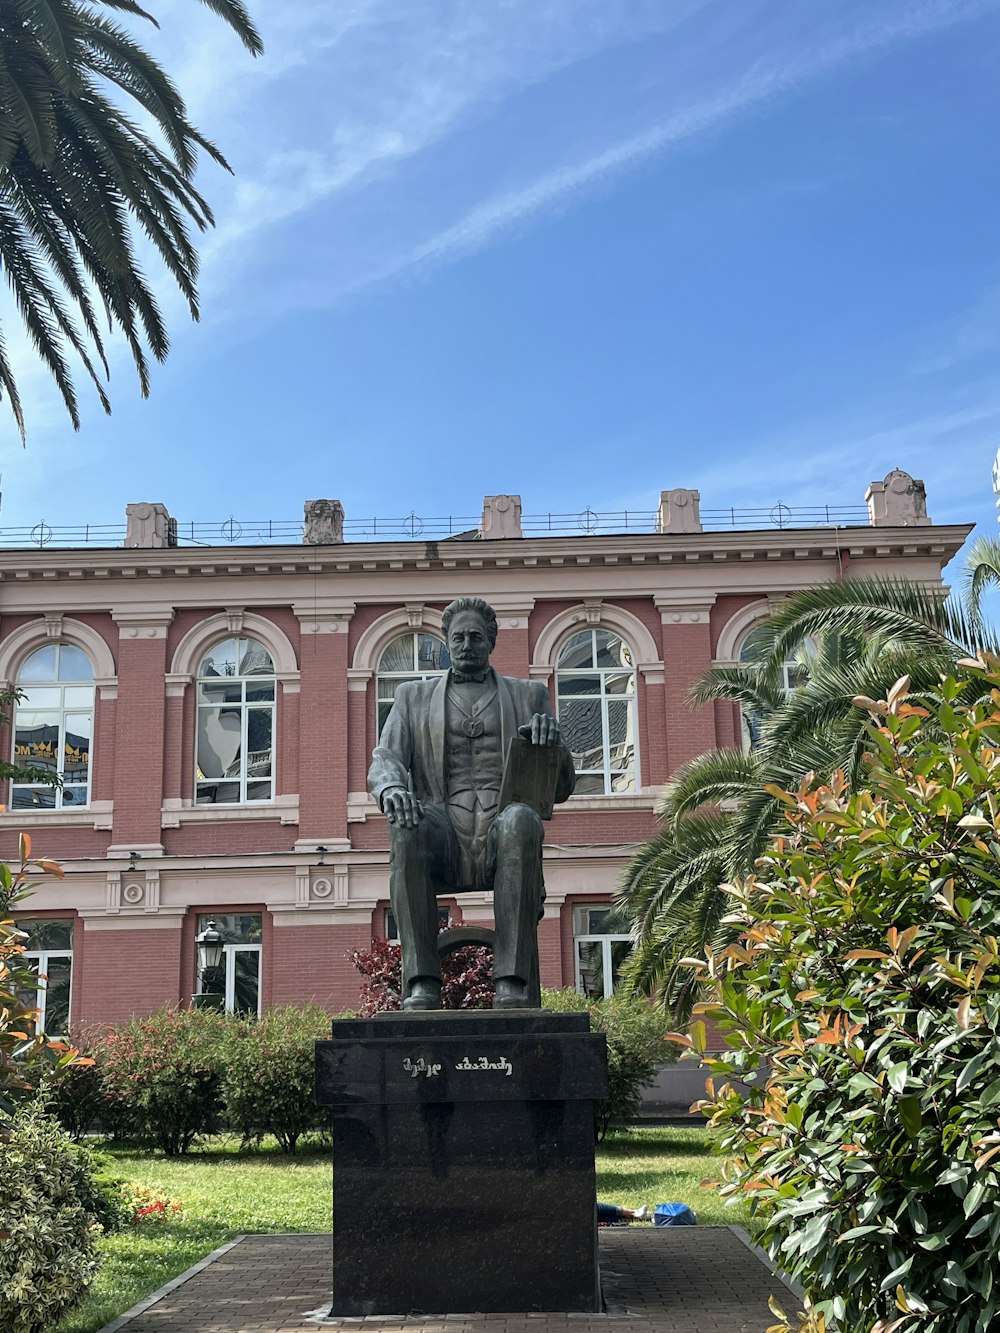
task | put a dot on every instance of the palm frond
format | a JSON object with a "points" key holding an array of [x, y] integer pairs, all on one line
{"points": [[895, 609], [743, 684], [982, 571], [80, 180], [712, 779]]}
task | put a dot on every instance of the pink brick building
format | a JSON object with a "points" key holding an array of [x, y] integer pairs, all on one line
{"points": [[212, 708]]}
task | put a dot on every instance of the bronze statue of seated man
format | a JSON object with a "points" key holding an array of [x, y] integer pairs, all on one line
{"points": [[436, 774]]}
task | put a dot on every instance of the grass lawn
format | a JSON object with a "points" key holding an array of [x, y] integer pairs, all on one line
{"points": [[225, 1194]]}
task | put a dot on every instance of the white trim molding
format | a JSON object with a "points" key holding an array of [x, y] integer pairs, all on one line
{"points": [[323, 616], [413, 618], [197, 641], [96, 815], [684, 608], [736, 629], [177, 811], [608, 616], [23, 641], [142, 622]]}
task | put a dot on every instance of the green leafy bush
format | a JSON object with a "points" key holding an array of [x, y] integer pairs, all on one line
{"points": [[168, 1068], [269, 1079], [47, 1233], [636, 1052], [862, 1004], [26, 1056], [77, 1097], [103, 1190]]}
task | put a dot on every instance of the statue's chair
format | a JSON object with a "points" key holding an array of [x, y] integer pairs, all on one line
{"points": [[458, 937]]}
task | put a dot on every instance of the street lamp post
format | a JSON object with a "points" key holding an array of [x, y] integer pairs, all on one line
{"points": [[211, 972]]}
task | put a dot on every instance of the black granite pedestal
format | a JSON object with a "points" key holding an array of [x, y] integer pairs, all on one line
{"points": [[463, 1161]]}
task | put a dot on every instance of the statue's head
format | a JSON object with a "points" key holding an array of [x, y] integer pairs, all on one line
{"points": [[470, 628]]}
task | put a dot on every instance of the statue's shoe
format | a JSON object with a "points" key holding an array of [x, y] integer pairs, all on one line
{"points": [[510, 993], [423, 995]]}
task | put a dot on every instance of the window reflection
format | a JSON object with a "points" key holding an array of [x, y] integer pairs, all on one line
{"points": [[234, 742], [600, 952], [49, 952], [595, 698], [240, 973], [53, 727], [407, 657]]}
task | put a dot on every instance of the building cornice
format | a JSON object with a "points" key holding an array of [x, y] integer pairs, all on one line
{"points": [[628, 550]]}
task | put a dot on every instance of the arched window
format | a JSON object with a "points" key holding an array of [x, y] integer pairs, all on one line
{"points": [[234, 750], [794, 673], [407, 657], [54, 727], [595, 699]]}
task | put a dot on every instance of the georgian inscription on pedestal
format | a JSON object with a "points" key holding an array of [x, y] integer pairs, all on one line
{"points": [[421, 1066], [465, 1065]]}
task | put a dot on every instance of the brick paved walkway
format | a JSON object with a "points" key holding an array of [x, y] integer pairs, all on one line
{"points": [[655, 1280]]}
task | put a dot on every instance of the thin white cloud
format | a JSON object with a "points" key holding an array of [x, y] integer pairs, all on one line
{"points": [[355, 95], [490, 220]]}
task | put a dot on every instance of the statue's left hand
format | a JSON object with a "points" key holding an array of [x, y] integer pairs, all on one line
{"points": [[543, 729]]}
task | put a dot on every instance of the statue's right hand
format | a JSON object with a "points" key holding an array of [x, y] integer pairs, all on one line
{"points": [[401, 807]]}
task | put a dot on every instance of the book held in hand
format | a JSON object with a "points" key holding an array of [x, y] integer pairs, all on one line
{"points": [[530, 774]]}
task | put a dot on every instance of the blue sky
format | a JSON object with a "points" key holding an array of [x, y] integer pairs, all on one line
{"points": [[582, 250]]}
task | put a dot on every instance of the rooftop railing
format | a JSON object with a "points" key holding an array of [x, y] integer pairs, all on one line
{"points": [[417, 527]]}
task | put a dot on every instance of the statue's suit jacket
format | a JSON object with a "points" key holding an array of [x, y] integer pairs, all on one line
{"points": [[411, 749]]}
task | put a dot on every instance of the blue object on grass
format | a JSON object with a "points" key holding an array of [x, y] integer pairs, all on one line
{"points": [[673, 1215]]}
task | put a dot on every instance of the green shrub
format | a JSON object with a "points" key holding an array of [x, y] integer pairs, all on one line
{"points": [[47, 1234], [862, 1004], [26, 1056], [103, 1191], [168, 1069], [636, 1052], [269, 1082], [77, 1097]]}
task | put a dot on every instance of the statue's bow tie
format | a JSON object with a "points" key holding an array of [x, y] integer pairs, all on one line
{"points": [[462, 677]]}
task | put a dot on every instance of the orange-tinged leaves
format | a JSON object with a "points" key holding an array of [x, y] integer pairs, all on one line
{"points": [[52, 868], [779, 793], [986, 1156], [24, 846]]}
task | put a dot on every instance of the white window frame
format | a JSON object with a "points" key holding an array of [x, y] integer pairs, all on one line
{"points": [[245, 777], [79, 710], [444, 916], [402, 676], [588, 937], [40, 959], [229, 953], [605, 698]]}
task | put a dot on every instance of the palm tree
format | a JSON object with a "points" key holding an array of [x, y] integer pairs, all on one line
{"points": [[80, 179], [719, 811], [982, 571]]}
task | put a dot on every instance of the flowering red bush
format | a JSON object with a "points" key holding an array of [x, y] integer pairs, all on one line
{"points": [[466, 978]]}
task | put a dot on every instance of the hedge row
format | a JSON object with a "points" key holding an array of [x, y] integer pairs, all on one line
{"points": [[181, 1073]]}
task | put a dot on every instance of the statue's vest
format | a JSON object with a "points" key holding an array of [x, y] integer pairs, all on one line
{"points": [[473, 771]]}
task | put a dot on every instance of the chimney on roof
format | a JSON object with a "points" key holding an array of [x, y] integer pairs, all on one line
{"points": [[680, 511], [898, 502], [324, 523], [501, 517], [150, 526]]}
